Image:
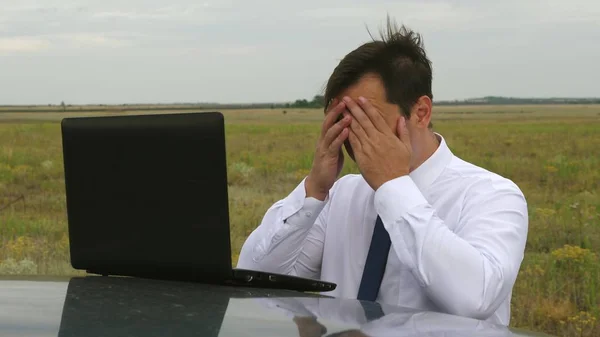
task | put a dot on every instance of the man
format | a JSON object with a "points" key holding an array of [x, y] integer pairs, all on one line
{"points": [[419, 227]]}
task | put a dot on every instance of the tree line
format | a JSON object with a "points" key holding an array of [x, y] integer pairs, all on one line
{"points": [[317, 102]]}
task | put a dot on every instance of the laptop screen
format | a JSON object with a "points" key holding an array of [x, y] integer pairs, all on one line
{"points": [[148, 194]]}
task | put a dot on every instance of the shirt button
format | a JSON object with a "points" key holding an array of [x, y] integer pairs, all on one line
{"points": [[308, 214]]}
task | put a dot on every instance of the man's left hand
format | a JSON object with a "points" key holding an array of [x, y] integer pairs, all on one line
{"points": [[380, 155]]}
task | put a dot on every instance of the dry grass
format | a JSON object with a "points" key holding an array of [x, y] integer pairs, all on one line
{"points": [[550, 151]]}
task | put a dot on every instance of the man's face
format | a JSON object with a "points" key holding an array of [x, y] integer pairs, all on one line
{"points": [[371, 88]]}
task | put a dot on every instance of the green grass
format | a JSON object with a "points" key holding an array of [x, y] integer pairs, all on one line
{"points": [[551, 152]]}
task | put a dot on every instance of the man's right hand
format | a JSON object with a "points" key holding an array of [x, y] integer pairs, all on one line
{"points": [[329, 158]]}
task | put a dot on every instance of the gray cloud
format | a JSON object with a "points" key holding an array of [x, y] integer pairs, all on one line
{"points": [[233, 50]]}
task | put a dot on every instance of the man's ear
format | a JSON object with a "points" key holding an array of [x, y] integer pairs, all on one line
{"points": [[421, 112]]}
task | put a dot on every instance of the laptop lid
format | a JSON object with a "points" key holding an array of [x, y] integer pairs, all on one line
{"points": [[147, 195]]}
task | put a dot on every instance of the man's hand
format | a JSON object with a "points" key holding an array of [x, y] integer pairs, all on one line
{"points": [[380, 155], [329, 158]]}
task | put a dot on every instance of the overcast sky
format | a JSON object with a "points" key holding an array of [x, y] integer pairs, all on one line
{"points": [[134, 51]]}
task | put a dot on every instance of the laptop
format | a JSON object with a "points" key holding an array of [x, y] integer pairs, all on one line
{"points": [[147, 197]]}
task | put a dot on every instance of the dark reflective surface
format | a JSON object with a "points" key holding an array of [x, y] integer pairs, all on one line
{"points": [[311, 316], [98, 306]]}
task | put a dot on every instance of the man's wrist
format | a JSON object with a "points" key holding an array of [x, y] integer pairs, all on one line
{"points": [[313, 192], [318, 196]]}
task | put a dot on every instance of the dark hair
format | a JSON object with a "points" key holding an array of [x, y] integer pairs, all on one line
{"points": [[399, 59]]}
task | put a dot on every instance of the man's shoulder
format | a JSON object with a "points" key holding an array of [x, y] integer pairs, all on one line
{"points": [[479, 178]]}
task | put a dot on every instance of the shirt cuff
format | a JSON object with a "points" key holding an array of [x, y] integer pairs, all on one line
{"points": [[301, 210], [395, 198], [308, 214]]}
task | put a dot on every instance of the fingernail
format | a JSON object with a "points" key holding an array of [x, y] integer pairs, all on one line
{"points": [[362, 99], [347, 99]]}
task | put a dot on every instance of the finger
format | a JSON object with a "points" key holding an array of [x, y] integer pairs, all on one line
{"points": [[337, 143], [335, 108], [358, 131], [335, 130], [360, 116], [354, 141], [331, 116], [403, 131], [374, 115]]}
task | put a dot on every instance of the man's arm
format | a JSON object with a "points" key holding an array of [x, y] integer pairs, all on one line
{"points": [[467, 273], [289, 239]]}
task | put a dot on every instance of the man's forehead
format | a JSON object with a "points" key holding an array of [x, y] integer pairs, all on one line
{"points": [[369, 86]]}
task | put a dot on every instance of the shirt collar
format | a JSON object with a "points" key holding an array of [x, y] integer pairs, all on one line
{"points": [[430, 169]]}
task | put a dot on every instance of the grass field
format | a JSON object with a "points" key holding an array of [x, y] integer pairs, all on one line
{"points": [[551, 152]]}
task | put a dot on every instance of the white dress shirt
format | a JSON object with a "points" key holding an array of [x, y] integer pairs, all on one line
{"points": [[458, 236]]}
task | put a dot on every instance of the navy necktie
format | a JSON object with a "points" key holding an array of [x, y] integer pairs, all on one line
{"points": [[375, 264]]}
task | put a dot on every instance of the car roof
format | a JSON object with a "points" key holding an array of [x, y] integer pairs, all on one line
{"points": [[122, 306]]}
